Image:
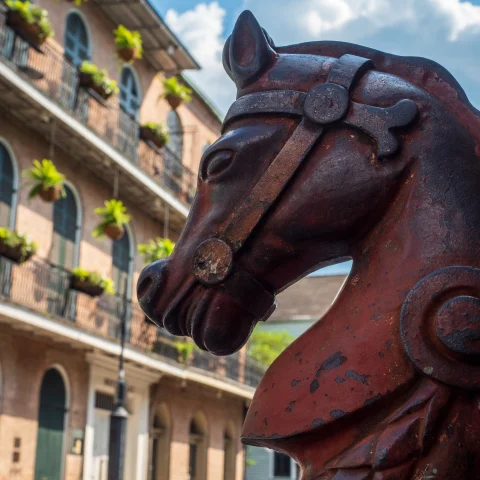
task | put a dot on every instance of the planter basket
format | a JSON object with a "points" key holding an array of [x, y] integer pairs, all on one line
{"points": [[86, 81], [148, 135], [114, 232], [13, 253], [127, 54], [31, 33], [51, 194], [85, 287], [174, 101]]}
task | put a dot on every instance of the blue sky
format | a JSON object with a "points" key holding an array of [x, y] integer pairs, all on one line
{"points": [[447, 31]]}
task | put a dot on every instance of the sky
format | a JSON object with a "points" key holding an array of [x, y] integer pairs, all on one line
{"points": [[447, 31]]}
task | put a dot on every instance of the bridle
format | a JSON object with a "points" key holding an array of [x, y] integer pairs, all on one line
{"points": [[326, 104]]}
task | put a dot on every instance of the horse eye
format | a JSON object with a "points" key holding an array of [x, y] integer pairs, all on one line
{"points": [[217, 163]]}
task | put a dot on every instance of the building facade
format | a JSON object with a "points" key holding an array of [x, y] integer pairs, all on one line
{"points": [[59, 348]]}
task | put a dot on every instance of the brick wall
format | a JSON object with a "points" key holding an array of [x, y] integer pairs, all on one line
{"points": [[200, 124], [184, 401], [24, 360]]}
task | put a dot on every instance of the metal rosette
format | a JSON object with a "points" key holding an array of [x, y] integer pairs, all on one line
{"points": [[440, 326]]}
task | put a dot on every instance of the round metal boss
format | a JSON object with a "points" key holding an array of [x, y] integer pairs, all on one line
{"points": [[326, 103], [212, 261], [439, 325]]}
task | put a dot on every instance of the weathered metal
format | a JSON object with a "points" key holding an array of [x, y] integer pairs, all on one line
{"points": [[332, 151]]}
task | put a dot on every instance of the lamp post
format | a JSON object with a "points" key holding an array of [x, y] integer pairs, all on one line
{"points": [[119, 416]]}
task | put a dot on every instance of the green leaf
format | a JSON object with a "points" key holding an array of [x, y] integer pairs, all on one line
{"points": [[113, 213], [172, 86], [156, 249], [44, 175], [125, 38], [265, 346]]}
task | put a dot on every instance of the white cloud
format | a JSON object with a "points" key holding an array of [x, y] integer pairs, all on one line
{"points": [[201, 30], [463, 16], [447, 31]]}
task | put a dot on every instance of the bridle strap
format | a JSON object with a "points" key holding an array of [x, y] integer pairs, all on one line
{"points": [[344, 73], [325, 104], [271, 184]]}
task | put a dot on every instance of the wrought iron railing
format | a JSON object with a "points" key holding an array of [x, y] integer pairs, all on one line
{"points": [[45, 288], [58, 79]]}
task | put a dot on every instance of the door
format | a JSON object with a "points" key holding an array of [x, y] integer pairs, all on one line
{"points": [[51, 427], [101, 427]]}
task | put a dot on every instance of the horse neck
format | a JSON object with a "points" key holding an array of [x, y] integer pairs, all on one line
{"points": [[431, 223]]}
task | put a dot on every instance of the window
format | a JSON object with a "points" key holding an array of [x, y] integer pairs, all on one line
{"points": [[130, 101], [76, 50], [129, 92], [122, 264], [8, 188], [282, 465], [197, 460], [160, 438], [229, 453], [77, 44], [175, 129], [173, 157], [66, 230]]}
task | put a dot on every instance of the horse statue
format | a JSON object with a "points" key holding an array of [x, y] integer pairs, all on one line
{"points": [[334, 151]]}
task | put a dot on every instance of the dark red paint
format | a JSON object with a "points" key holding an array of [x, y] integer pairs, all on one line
{"points": [[325, 157]]}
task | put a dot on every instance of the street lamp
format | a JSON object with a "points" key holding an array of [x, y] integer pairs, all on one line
{"points": [[119, 416]]}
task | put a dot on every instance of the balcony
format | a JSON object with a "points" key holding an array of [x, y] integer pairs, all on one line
{"points": [[97, 133], [44, 288]]}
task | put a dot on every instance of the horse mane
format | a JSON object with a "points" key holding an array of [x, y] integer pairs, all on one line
{"points": [[421, 72]]}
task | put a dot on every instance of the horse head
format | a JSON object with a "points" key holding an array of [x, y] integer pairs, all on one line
{"points": [[331, 151]]}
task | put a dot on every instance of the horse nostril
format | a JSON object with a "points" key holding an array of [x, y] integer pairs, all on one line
{"points": [[143, 287]]}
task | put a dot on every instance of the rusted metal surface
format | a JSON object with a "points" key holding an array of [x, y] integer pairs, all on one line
{"points": [[333, 151]]}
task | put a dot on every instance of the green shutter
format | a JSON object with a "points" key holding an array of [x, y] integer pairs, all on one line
{"points": [[7, 188], [51, 419]]}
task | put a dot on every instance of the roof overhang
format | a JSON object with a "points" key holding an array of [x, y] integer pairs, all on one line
{"points": [[161, 48]]}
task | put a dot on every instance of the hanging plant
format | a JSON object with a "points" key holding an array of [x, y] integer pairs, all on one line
{"points": [[114, 218], [78, 3], [93, 78], [155, 133], [156, 249], [128, 43], [175, 93], [16, 247], [91, 283], [185, 351], [29, 21], [48, 182]]}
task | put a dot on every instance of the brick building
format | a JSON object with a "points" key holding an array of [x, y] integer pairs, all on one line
{"points": [[59, 348]]}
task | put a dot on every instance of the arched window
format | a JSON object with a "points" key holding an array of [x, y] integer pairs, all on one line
{"points": [[51, 426], [77, 43], [76, 50], [122, 258], [173, 161], [8, 188], [198, 448], [160, 466], [129, 92], [66, 230], [229, 453], [175, 129], [130, 101]]}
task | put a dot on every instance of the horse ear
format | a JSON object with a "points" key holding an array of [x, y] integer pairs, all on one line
{"points": [[226, 58], [248, 52]]}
